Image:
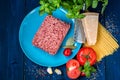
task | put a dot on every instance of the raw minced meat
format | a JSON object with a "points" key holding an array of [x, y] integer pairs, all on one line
{"points": [[51, 34]]}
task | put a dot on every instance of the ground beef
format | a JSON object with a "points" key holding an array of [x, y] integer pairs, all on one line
{"points": [[50, 34]]}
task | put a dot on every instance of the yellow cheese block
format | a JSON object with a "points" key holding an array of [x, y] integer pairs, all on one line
{"points": [[106, 44]]}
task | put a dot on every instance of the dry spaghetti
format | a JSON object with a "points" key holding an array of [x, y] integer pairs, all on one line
{"points": [[106, 43]]}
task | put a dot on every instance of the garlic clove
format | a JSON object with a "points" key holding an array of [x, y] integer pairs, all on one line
{"points": [[49, 70], [58, 71]]}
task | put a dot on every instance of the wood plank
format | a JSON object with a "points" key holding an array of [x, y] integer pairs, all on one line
{"points": [[12, 55], [3, 40], [113, 25], [31, 4]]}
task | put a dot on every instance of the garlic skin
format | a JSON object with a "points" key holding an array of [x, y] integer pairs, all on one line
{"points": [[58, 71], [49, 70]]}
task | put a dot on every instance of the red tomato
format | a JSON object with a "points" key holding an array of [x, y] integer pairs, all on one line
{"points": [[73, 71], [67, 52], [71, 64], [86, 53], [73, 74]]}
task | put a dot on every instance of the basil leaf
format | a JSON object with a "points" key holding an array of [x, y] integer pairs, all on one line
{"points": [[47, 10], [87, 73], [50, 1], [42, 8], [77, 7], [80, 1], [105, 3], [41, 2], [81, 16], [94, 3], [41, 12], [103, 8], [87, 4], [87, 65], [83, 70], [70, 15], [74, 7], [74, 1], [93, 69], [51, 8], [66, 5]]}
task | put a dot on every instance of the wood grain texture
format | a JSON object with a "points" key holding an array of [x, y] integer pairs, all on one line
{"points": [[112, 18], [11, 59]]}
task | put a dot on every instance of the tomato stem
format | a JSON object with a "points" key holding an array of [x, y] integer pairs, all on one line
{"points": [[87, 56]]}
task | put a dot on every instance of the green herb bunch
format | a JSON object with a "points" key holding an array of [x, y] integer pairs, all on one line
{"points": [[74, 7]]}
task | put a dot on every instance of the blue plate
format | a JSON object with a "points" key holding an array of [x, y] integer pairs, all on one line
{"points": [[29, 27]]}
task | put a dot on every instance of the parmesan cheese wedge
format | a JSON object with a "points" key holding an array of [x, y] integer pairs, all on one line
{"points": [[90, 25]]}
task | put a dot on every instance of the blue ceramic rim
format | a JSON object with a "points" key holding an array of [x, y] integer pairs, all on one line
{"points": [[25, 51]]}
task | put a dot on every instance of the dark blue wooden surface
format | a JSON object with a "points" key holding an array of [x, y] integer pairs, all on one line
{"points": [[14, 65]]}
